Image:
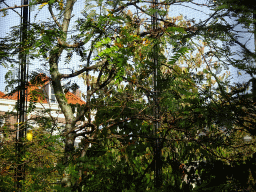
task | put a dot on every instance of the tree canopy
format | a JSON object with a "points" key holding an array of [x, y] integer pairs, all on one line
{"points": [[203, 116]]}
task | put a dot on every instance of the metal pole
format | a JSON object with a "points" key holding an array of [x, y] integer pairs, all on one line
{"points": [[22, 96], [254, 80], [157, 148]]}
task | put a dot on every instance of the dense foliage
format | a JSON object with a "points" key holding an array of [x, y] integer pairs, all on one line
{"points": [[203, 117]]}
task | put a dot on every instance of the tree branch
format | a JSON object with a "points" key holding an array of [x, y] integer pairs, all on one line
{"points": [[92, 126], [65, 44], [8, 7], [14, 7], [53, 16], [65, 76], [123, 7], [81, 113]]}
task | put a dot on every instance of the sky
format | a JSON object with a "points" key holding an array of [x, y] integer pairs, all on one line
{"points": [[13, 19], [201, 13], [188, 10], [6, 23]]}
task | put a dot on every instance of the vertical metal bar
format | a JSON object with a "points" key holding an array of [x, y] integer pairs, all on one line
{"points": [[254, 80], [157, 148], [254, 23], [22, 96]]}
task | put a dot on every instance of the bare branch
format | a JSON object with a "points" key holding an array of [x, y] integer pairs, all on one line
{"points": [[107, 81], [92, 126], [67, 16], [65, 44], [65, 76], [123, 7], [14, 7], [8, 7], [81, 112], [53, 16]]}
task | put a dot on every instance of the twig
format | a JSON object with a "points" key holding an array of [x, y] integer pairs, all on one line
{"points": [[53, 16], [8, 7]]}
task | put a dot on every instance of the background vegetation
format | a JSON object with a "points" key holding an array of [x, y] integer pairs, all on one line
{"points": [[203, 117]]}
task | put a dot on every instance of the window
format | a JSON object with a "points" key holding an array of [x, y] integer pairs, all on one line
{"points": [[50, 93], [52, 96]]}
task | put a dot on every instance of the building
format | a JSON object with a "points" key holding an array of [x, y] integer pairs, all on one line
{"points": [[41, 104]]}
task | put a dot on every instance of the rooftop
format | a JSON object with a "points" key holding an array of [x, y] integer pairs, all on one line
{"points": [[36, 91]]}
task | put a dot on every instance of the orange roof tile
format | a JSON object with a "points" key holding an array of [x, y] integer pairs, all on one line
{"points": [[1, 94], [36, 93], [73, 99]]}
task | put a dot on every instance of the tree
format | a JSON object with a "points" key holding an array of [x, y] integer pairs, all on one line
{"points": [[41, 157], [196, 111]]}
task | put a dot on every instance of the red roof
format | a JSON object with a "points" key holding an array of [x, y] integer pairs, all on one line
{"points": [[36, 92], [1, 94]]}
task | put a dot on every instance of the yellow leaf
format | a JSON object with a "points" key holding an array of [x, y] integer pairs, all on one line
{"points": [[61, 4], [29, 135], [42, 5]]}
